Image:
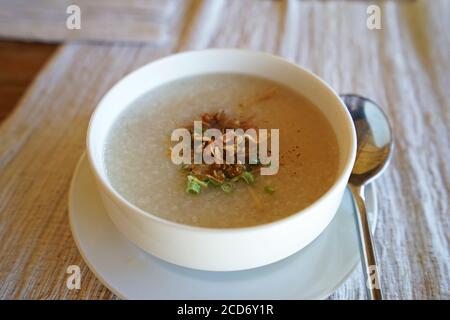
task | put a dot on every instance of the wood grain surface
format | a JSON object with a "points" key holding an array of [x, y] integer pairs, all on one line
{"points": [[19, 64], [404, 66]]}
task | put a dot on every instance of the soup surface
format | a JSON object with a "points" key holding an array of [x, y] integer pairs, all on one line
{"points": [[139, 167]]}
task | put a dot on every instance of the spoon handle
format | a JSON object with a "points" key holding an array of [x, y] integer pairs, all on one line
{"points": [[368, 257]]}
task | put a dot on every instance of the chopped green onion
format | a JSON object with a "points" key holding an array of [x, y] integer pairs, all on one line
{"points": [[184, 166], [193, 187], [269, 189], [213, 182], [192, 178], [248, 177], [227, 187], [235, 179]]}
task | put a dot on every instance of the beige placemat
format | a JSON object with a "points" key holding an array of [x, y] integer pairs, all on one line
{"points": [[155, 22], [404, 67]]}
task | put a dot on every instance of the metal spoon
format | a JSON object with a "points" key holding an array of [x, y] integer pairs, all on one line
{"points": [[375, 145]]}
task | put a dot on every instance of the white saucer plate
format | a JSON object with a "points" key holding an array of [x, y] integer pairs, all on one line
{"points": [[315, 272]]}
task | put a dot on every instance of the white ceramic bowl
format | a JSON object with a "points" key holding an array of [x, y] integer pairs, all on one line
{"points": [[208, 248]]}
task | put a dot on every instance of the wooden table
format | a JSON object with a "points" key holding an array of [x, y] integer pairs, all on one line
{"points": [[404, 67], [19, 64]]}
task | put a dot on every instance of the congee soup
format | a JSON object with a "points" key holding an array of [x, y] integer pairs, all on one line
{"points": [[139, 151]]}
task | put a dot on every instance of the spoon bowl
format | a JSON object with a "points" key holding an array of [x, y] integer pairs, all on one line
{"points": [[374, 136]]}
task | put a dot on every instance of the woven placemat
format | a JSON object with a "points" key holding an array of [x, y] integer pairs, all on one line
{"points": [[404, 67]]}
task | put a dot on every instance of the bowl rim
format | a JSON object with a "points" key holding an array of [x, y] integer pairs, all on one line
{"points": [[116, 197]]}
